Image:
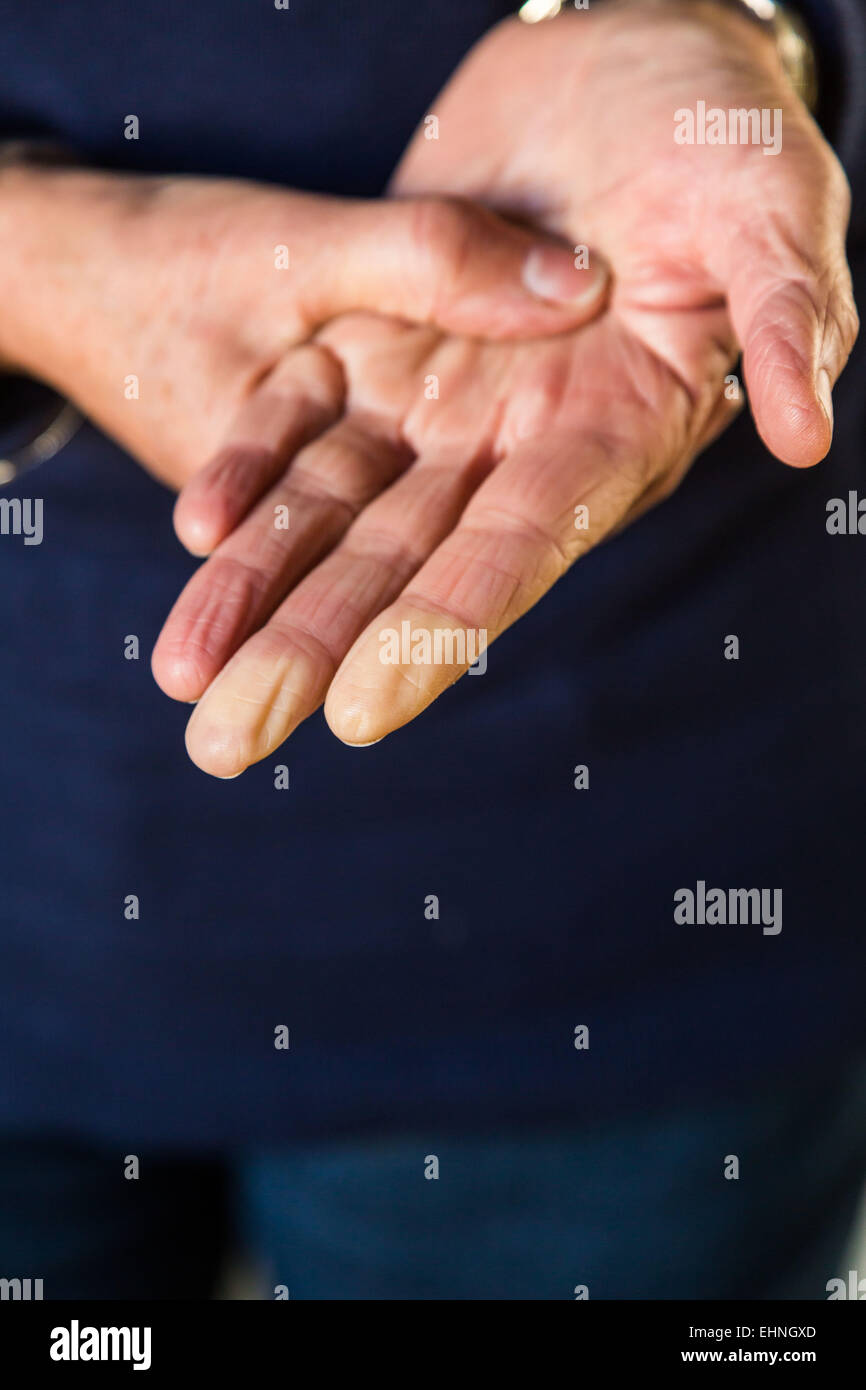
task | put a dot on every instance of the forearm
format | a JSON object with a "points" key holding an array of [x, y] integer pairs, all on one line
{"points": [[62, 234]]}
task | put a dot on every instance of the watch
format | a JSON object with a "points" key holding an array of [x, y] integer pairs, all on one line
{"points": [[787, 29]]}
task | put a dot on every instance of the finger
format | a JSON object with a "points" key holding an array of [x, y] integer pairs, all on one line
{"points": [[297, 522], [446, 262], [708, 425], [281, 674], [294, 402], [517, 536], [792, 307]]}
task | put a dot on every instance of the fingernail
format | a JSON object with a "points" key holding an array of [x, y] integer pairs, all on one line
{"points": [[824, 392], [549, 272]]}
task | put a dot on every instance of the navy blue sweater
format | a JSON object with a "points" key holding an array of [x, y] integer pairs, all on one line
{"points": [[305, 907]]}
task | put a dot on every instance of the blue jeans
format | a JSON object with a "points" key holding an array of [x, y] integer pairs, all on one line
{"points": [[640, 1209]]}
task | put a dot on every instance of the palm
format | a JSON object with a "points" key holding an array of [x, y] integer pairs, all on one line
{"points": [[571, 124], [463, 465], [446, 497]]}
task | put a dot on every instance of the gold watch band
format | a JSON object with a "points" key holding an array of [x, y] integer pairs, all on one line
{"points": [[791, 36], [794, 46]]}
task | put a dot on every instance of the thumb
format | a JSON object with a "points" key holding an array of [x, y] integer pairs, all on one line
{"points": [[792, 308], [450, 263]]}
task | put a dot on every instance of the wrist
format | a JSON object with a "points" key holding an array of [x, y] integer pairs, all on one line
{"points": [[59, 232], [762, 26], [790, 37]]}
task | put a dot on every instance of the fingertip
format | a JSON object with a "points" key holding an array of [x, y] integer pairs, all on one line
{"points": [[572, 282], [177, 673], [797, 433], [214, 748], [352, 720], [791, 400], [539, 291], [556, 294], [198, 525]]}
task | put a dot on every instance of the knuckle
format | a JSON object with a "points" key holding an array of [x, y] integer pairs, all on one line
{"points": [[838, 186], [849, 324], [842, 323], [634, 466], [442, 231]]}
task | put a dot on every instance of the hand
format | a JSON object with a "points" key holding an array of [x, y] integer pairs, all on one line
{"points": [[571, 122], [694, 244], [163, 308], [453, 513]]}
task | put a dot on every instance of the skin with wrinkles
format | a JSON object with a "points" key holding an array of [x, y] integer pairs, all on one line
{"points": [[448, 512], [459, 510], [198, 288]]}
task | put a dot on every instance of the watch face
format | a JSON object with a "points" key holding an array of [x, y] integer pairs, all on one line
{"points": [[35, 422]]}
